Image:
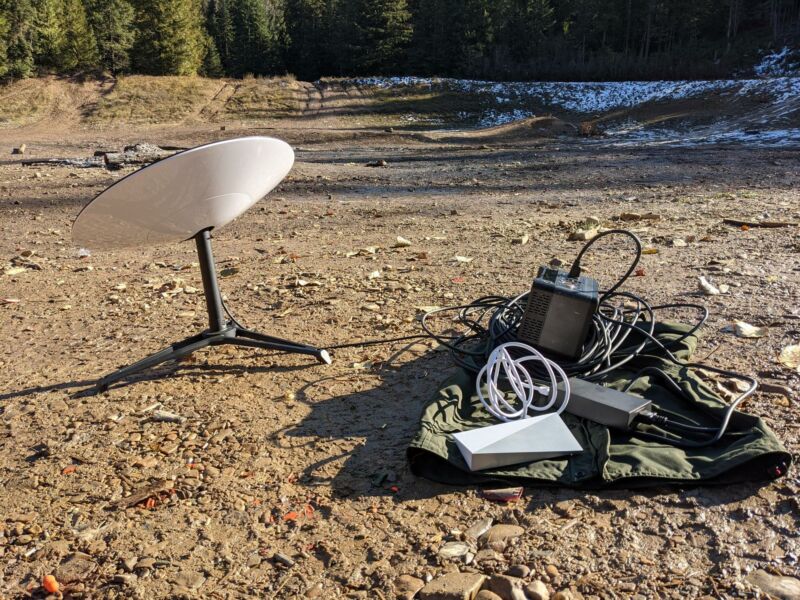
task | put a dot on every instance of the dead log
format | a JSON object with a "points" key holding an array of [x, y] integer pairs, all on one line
{"points": [[81, 163], [766, 224], [140, 154]]}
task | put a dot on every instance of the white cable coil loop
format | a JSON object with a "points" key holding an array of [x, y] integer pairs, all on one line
{"points": [[501, 363]]}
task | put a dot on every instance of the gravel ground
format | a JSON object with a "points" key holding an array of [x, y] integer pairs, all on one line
{"points": [[284, 478]]}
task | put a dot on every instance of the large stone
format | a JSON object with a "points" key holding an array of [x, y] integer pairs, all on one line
{"points": [[502, 533], [406, 587], [507, 587], [537, 590], [453, 586], [783, 588]]}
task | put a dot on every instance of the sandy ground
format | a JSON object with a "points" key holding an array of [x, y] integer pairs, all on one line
{"points": [[288, 478]]}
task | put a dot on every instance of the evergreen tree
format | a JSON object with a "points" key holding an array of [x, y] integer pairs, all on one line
{"points": [[171, 39], [309, 29], [4, 28], [526, 22], [375, 35], [257, 36], [80, 48], [19, 16], [451, 37], [112, 22], [220, 26], [50, 38]]}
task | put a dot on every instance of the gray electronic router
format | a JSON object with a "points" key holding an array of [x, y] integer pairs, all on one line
{"points": [[524, 440]]}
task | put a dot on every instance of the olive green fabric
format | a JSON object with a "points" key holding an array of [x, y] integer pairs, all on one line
{"points": [[610, 457]]}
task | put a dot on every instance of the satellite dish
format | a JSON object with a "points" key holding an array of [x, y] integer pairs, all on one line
{"points": [[172, 200], [184, 197]]}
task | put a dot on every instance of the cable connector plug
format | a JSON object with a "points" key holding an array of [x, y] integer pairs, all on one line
{"points": [[648, 416]]}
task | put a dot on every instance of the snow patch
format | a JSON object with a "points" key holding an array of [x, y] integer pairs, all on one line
{"points": [[783, 63]]}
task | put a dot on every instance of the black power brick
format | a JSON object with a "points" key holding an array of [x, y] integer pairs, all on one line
{"points": [[559, 312]]}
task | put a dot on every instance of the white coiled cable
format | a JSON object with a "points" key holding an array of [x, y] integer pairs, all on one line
{"points": [[522, 384]]}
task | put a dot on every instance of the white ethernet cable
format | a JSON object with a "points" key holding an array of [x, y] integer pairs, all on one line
{"points": [[502, 363]]}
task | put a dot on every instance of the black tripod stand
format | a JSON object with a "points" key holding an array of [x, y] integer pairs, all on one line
{"points": [[220, 330]]}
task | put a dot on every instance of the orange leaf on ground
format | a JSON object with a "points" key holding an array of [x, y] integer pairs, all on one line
{"points": [[69, 469], [745, 227], [50, 584], [290, 516]]}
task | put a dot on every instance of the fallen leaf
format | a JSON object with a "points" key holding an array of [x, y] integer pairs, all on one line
{"points": [[290, 516], [229, 271], [9, 300], [790, 357], [15, 270], [521, 241], [745, 330], [650, 251], [707, 287], [362, 366], [374, 275], [463, 259]]}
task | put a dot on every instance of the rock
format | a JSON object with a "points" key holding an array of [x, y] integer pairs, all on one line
{"points": [[564, 595], [552, 570], [537, 591], [583, 235], [783, 588], [378, 163], [487, 595], [76, 566], [146, 563], [124, 579], [283, 559], [488, 555], [130, 563], [519, 571], [406, 587], [508, 588], [453, 550], [20, 150], [630, 216], [502, 533], [189, 580], [453, 586], [478, 529]]}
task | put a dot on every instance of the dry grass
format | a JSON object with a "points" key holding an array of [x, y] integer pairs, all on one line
{"points": [[23, 102], [261, 98], [142, 99]]}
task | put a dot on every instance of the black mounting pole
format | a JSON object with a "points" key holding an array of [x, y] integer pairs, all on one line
{"points": [[220, 330], [208, 271]]}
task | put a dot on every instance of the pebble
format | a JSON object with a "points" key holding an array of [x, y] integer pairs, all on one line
{"points": [[453, 586], [519, 571], [478, 529], [487, 595], [146, 563], [775, 585], [406, 586], [502, 533], [283, 559], [189, 580], [130, 563], [508, 588], [453, 550], [124, 579], [564, 595], [537, 590], [552, 570]]}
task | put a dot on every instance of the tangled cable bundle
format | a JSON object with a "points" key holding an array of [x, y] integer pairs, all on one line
{"points": [[612, 341]]}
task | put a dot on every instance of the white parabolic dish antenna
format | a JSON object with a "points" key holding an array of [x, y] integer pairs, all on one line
{"points": [[172, 200]]}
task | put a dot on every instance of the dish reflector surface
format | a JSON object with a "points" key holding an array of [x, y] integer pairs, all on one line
{"points": [[173, 199]]}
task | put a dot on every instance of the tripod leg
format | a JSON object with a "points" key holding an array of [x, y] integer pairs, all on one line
{"points": [[253, 339], [182, 348]]}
